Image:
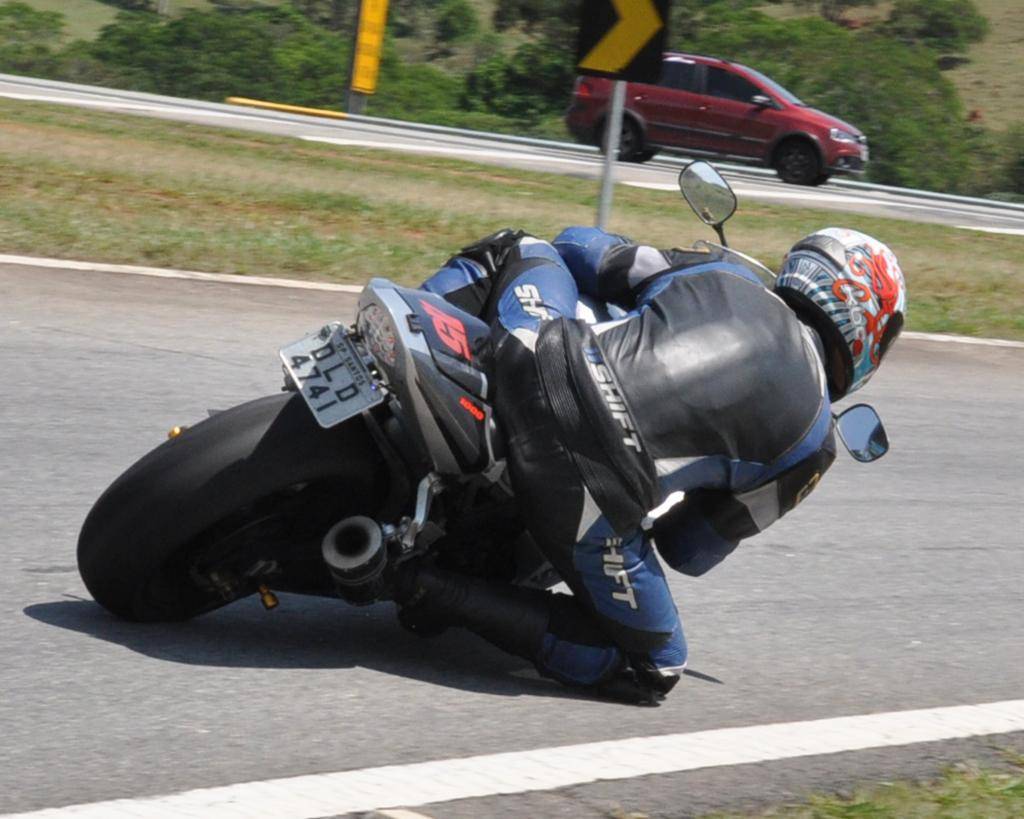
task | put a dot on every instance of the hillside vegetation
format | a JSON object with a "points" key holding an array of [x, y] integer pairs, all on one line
{"points": [[509, 65]]}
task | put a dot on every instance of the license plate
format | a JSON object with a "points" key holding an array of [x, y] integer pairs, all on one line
{"points": [[332, 378]]}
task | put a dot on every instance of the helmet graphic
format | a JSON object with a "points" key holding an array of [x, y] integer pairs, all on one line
{"points": [[851, 288]]}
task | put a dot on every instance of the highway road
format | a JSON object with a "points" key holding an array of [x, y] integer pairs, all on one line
{"points": [[896, 586], [570, 160]]}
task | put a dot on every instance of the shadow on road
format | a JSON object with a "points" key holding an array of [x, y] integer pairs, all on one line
{"points": [[306, 632]]}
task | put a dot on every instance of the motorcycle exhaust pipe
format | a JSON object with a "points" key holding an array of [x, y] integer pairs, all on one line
{"points": [[354, 552]]}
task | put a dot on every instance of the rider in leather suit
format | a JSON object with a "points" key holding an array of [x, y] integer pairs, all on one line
{"points": [[707, 383]]}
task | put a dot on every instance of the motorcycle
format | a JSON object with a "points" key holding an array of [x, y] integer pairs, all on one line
{"points": [[382, 447]]}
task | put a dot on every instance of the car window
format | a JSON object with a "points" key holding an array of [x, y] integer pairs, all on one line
{"points": [[789, 96], [679, 75], [722, 83]]}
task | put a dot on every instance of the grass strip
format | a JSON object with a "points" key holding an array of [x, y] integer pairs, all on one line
{"points": [[81, 184], [963, 792]]}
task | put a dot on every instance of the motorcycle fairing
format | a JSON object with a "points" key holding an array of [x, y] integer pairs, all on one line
{"points": [[435, 362]]}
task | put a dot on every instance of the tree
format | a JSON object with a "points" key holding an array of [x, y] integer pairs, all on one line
{"points": [[533, 82], [944, 25], [456, 21], [28, 38], [269, 53]]}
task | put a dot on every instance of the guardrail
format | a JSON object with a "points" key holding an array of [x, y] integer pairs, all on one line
{"points": [[280, 112]]}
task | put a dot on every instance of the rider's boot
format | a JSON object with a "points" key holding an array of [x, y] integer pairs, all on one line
{"points": [[516, 620]]}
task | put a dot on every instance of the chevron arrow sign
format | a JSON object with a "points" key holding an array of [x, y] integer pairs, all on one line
{"points": [[622, 39]]}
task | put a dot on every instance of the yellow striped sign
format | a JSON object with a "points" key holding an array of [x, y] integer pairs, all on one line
{"points": [[373, 15]]}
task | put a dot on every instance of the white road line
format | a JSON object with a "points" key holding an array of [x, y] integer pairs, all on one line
{"points": [[168, 273], [1007, 231], [654, 186], [812, 198], [299, 284], [950, 338], [809, 196], [443, 780], [758, 193]]}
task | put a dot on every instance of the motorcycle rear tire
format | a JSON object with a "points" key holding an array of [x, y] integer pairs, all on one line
{"points": [[134, 547]]}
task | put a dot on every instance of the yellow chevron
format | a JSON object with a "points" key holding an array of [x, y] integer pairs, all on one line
{"points": [[638, 22]]}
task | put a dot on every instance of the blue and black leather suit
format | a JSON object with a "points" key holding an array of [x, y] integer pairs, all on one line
{"points": [[703, 383]]}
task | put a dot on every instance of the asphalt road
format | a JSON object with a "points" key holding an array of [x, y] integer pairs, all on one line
{"points": [[897, 586], [655, 174]]}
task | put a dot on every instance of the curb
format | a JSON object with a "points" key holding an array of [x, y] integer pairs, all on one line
{"points": [[299, 284]]}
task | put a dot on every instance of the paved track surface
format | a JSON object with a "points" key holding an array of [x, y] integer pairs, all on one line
{"points": [[347, 134], [896, 586]]}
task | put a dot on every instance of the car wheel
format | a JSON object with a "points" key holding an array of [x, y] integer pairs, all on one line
{"points": [[646, 154], [796, 162], [821, 179], [631, 141]]}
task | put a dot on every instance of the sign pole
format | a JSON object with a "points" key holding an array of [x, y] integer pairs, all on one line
{"points": [[620, 40], [612, 132]]}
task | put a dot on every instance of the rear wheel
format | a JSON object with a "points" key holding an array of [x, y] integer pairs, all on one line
{"points": [[796, 162], [239, 499], [631, 142]]}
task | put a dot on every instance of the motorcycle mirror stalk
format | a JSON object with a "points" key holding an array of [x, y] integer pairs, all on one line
{"points": [[714, 202], [709, 195]]}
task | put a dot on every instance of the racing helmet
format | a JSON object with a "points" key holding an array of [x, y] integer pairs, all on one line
{"points": [[850, 288]]}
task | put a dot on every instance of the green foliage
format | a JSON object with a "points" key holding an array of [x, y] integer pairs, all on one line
{"points": [[527, 85], [271, 53], [456, 21], [410, 91], [28, 38], [335, 15], [945, 25]]}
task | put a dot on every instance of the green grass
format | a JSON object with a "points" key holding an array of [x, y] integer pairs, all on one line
{"points": [[80, 184], [82, 18], [964, 792], [991, 82]]}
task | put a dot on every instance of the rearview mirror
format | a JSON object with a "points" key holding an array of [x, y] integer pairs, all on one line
{"points": [[708, 194], [861, 431]]}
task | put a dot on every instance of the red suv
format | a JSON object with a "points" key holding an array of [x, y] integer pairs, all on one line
{"points": [[707, 106]]}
